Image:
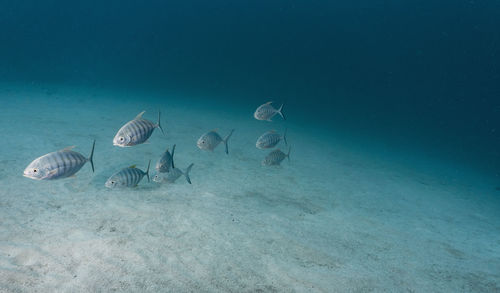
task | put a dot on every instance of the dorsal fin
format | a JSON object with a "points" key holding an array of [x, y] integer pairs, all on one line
{"points": [[215, 130], [268, 103], [273, 131], [132, 167], [139, 116], [68, 148]]}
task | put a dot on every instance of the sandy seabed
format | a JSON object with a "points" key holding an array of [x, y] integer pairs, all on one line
{"points": [[339, 217]]}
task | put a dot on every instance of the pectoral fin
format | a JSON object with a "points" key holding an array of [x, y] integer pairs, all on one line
{"points": [[51, 173]]}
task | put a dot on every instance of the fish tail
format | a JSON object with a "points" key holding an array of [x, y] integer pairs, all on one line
{"points": [[284, 136], [91, 158], [288, 155], [173, 150], [280, 111], [147, 171], [158, 124], [186, 173], [226, 139]]}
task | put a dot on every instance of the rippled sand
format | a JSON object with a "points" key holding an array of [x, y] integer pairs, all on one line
{"points": [[342, 216]]}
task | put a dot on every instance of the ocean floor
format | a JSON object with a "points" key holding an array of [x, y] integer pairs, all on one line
{"points": [[342, 216]]}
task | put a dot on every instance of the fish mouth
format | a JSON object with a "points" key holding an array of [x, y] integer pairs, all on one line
{"points": [[31, 177]]}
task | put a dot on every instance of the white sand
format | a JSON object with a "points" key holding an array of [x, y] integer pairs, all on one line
{"points": [[343, 216]]}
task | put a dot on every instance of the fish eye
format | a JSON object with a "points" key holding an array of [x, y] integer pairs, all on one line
{"points": [[35, 170], [112, 182], [121, 138]]}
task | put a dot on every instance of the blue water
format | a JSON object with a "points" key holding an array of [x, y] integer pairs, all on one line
{"points": [[393, 115]]}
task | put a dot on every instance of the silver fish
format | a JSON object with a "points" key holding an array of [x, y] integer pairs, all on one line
{"points": [[212, 139], [267, 111], [127, 177], [56, 165], [166, 161], [136, 131], [173, 175], [270, 139], [275, 157]]}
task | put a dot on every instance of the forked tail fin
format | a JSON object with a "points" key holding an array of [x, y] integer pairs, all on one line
{"points": [[158, 124], [280, 111], [226, 139], [147, 171], [186, 173], [173, 150], [288, 155], [91, 158]]}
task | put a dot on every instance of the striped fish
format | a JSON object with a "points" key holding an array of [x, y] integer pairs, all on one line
{"points": [[128, 177], [136, 131], [275, 157], [210, 140], [270, 139], [173, 175], [56, 165], [267, 111], [166, 161]]}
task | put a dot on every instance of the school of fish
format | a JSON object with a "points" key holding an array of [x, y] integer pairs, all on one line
{"points": [[66, 162]]}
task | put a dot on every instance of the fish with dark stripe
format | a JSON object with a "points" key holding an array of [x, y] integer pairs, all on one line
{"points": [[270, 139], [136, 131], [127, 177], [276, 157], [173, 175], [57, 165], [166, 162], [267, 111], [210, 140]]}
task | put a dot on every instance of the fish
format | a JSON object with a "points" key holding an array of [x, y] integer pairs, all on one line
{"points": [[173, 175], [267, 111], [127, 177], [270, 139], [166, 162], [276, 157], [136, 131], [57, 165], [210, 140]]}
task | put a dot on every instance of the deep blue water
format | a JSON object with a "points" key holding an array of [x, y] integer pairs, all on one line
{"points": [[419, 73]]}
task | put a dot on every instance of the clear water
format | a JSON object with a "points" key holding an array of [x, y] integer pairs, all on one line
{"points": [[393, 181]]}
